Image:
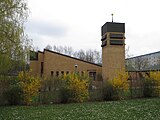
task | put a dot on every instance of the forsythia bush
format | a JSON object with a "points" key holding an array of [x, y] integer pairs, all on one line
{"points": [[117, 87], [155, 76], [120, 81], [30, 86], [152, 84], [76, 87]]}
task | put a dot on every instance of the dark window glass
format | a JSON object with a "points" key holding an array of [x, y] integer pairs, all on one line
{"points": [[57, 73], [82, 73], [92, 75], [62, 72], [52, 73], [67, 72], [33, 55], [41, 69]]}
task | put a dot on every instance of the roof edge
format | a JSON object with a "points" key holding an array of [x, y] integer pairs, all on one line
{"points": [[143, 55], [40, 52]]}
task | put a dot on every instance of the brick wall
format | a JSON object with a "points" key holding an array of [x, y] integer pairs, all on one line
{"points": [[54, 62]]}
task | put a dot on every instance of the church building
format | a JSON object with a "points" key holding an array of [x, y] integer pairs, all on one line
{"points": [[50, 63]]}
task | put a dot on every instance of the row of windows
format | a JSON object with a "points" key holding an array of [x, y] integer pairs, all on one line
{"points": [[59, 73]]}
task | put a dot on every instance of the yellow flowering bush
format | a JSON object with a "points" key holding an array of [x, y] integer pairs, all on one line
{"points": [[120, 81], [30, 86], [155, 76], [117, 87], [76, 87], [152, 84]]}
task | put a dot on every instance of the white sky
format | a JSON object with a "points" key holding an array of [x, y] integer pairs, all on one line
{"points": [[77, 23]]}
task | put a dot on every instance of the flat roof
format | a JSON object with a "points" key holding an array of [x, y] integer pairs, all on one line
{"points": [[112, 27], [143, 55]]}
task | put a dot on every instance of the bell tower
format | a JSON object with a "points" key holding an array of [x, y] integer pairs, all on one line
{"points": [[113, 49]]}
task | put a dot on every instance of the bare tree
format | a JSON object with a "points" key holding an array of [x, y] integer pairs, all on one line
{"points": [[48, 47], [68, 50], [97, 57], [89, 56], [58, 49], [129, 64], [127, 52], [54, 48], [93, 56], [80, 54], [141, 63]]}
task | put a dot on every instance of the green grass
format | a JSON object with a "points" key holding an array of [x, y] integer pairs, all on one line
{"points": [[139, 109]]}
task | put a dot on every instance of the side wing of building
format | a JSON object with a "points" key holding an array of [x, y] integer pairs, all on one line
{"points": [[49, 63]]}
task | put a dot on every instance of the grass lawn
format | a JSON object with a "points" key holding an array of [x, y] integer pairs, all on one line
{"points": [[139, 109]]}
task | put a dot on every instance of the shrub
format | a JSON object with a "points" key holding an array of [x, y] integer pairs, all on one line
{"points": [[14, 94], [51, 90], [67, 88], [155, 76], [51, 83], [76, 88], [151, 85], [30, 86], [66, 95], [11, 90], [117, 88], [149, 90], [108, 91]]}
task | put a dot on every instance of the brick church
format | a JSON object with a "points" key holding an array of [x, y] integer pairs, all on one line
{"points": [[50, 63]]}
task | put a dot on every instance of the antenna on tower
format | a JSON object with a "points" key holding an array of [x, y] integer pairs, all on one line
{"points": [[112, 16]]}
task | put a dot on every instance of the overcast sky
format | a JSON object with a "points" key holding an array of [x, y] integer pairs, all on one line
{"points": [[77, 23]]}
